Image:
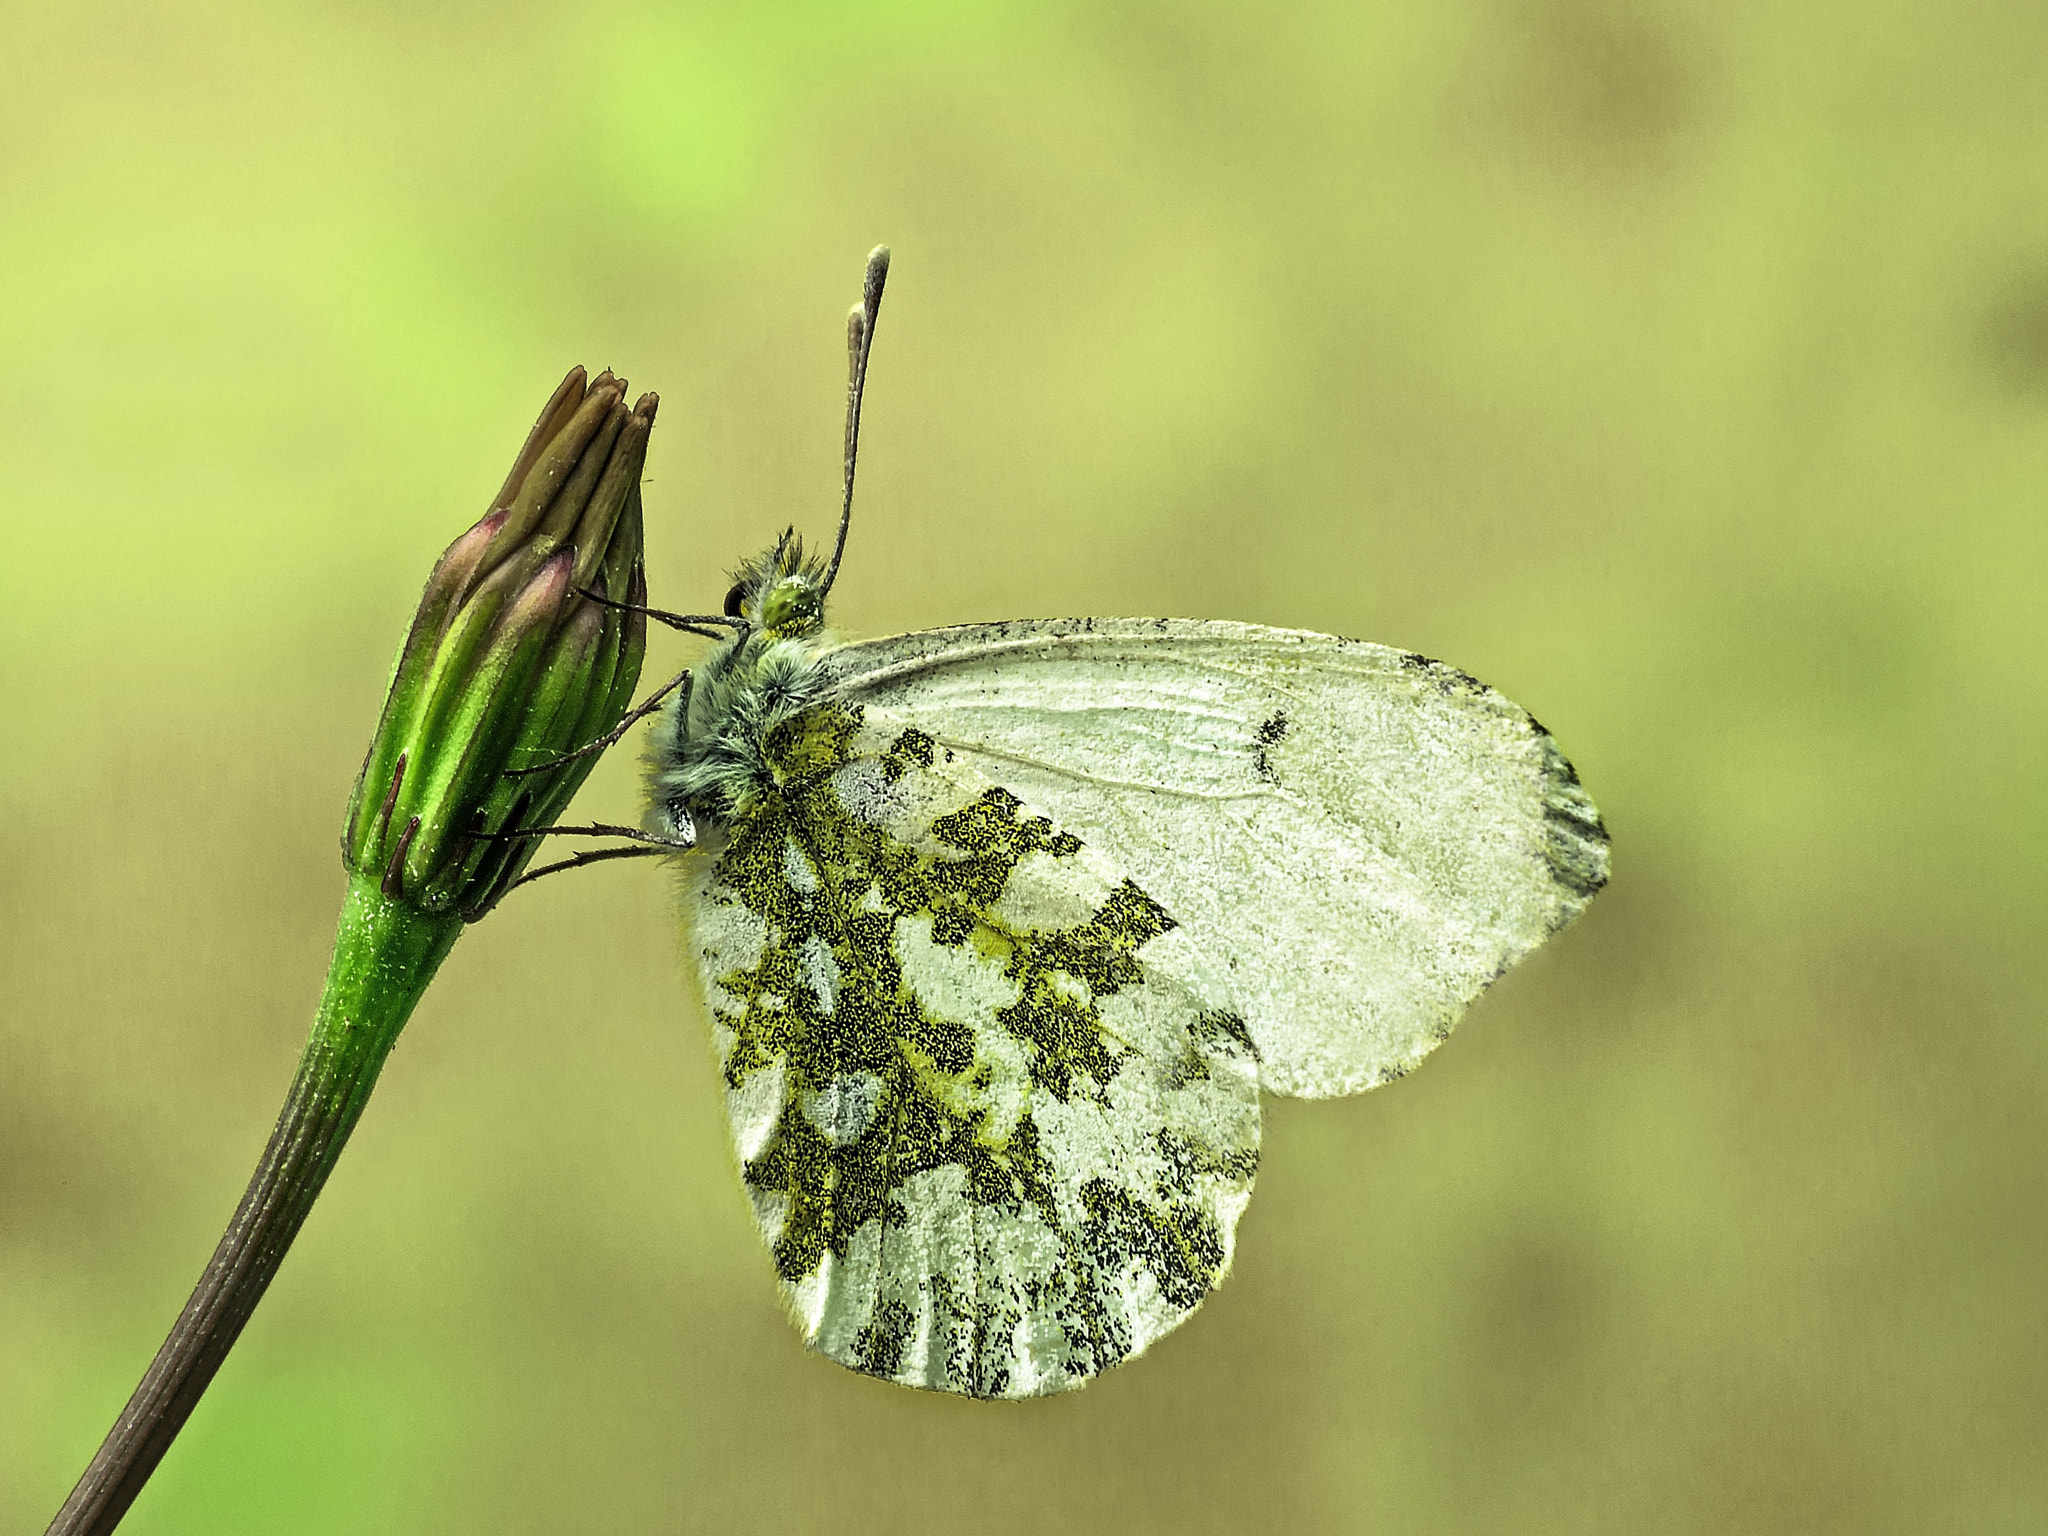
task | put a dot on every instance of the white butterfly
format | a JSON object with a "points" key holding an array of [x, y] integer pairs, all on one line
{"points": [[1003, 928]]}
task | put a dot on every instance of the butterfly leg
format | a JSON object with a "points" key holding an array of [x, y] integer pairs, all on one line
{"points": [[684, 839], [578, 860], [616, 734], [646, 845]]}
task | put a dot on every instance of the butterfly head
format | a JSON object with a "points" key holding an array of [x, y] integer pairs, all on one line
{"points": [[780, 592]]}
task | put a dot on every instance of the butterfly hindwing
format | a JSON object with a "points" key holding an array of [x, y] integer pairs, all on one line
{"points": [[996, 1120], [1362, 838]]}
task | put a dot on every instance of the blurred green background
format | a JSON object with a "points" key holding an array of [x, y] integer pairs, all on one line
{"points": [[1681, 369]]}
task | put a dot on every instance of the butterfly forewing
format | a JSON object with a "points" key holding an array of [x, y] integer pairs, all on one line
{"points": [[1360, 839], [996, 1115]]}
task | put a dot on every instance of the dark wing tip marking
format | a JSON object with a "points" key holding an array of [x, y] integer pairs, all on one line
{"points": [[1575, 840], [1448, 679]]}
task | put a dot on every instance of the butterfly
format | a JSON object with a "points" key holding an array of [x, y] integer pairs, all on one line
{"points": [[1003, 929]]}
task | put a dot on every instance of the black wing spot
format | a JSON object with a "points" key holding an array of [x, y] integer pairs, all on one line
{"points": [[1269, 735]]}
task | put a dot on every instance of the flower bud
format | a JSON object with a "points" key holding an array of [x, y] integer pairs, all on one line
{"points": [[509, 664]]}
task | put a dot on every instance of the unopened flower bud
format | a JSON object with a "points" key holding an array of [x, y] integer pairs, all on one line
{"points": [[510, 664]]}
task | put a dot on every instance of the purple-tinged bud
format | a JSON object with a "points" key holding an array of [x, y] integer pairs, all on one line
{"points": [[509, 664]]}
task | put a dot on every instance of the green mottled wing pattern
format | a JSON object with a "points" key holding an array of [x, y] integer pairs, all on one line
{"points": [[1360, 839], [996, 1118]]}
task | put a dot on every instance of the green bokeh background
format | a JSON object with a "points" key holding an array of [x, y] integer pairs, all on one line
{"points": [[1679, 368]]}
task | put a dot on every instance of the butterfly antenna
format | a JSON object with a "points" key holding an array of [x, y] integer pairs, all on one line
{"points": [[860, 336]]}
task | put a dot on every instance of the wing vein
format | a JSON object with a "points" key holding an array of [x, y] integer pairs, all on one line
{"points": [[1081, 775]]}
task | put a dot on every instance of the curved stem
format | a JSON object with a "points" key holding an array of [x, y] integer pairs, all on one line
{"points": [[385, 953]]}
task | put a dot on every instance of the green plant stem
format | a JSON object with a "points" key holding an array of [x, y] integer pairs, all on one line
{"points": [[385, 953]]}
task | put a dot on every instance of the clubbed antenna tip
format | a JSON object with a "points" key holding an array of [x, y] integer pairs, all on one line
{"points": [[860, 339]]}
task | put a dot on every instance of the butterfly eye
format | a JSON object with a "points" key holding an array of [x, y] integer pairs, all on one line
{"points": [[734, 599]]}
